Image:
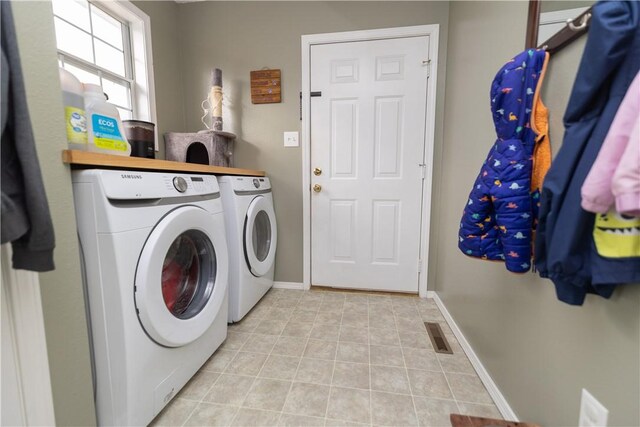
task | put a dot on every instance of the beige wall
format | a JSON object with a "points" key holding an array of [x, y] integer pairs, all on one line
{"points": [[242, 36], [539, 351], [62, 294], [167, 65]]}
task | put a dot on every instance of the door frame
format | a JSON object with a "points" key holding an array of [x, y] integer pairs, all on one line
{"points": [[24, 346], [366, 35]]}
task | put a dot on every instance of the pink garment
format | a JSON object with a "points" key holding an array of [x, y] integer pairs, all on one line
{"points": [[615, 175], [626, 179]]}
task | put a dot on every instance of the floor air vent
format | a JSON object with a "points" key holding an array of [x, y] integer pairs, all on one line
{"points": [[438, 339]]}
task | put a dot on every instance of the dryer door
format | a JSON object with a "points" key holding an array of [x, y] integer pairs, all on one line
{"points": [[260, 236], [181, 278]]}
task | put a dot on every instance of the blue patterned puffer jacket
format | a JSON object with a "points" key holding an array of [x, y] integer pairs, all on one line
{"points": [[500, 215]]}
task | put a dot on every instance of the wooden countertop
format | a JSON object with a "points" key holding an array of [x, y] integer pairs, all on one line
{"points": [[90, 159]]}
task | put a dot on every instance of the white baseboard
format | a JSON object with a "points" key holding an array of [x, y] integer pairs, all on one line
{"points": [[288, 285], [492, 388]]}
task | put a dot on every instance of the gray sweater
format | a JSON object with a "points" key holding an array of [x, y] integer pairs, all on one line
{"points": [[24, 212]]}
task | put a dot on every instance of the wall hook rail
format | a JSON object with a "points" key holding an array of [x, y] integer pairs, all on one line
{"points": [[584, 21], [570, 32]]}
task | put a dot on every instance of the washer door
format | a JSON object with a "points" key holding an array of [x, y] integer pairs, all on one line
{"points": [[260, 236], [181, 277]]}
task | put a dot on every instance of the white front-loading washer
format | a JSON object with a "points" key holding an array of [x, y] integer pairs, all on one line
{"points": [[252, 239], [155, 268]]}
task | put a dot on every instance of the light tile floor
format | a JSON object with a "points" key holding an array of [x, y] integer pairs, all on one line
{"points": [[325, 358]]}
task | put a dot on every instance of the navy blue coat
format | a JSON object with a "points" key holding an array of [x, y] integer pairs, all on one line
{"points": [[564, 246]]}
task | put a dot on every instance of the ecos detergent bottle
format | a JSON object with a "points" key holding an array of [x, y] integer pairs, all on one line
{"points": [[105, 129]]}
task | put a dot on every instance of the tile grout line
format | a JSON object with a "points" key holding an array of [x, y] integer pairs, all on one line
{"points": [[333, 371], [265, 362], [446, 378], [406, 371], [369, 352], [326, 411], [292, 309], [335, 360], [445, 373], [239, 407], [192, 411], [295, 374], [237, 351], [212, 384], [345, 387], [440, 319]]}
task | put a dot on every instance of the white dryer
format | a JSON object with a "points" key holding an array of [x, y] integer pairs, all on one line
{"points": [[252, 236], [156, 270]]}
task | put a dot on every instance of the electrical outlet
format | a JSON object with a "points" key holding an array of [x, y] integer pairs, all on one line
{"points": [[592, 412], [291, 139]]}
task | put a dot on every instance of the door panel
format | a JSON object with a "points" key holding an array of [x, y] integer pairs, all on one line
{"points": [[367, 137], [390, 67], [344, 71], [386, 217], [388, 137], [343, 216], [344, 138]]}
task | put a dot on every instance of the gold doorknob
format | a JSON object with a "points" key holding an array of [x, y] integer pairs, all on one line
{"points": [[317, 188], [317, 171]]}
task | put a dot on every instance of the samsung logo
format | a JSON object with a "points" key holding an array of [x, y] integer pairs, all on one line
{"points": [[130, 176]]}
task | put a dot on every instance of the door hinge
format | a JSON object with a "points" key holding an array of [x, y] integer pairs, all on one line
{"points": [[427, 63], [419, 266], [423, 166]]}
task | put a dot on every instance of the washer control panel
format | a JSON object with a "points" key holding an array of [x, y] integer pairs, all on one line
{"points": [[129, 185]]}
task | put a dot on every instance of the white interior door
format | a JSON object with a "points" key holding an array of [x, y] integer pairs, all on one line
{"points": [[367, 150]]}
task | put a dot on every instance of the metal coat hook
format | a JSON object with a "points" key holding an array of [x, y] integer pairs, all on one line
{"points": [[583, 23], [568, 33]]}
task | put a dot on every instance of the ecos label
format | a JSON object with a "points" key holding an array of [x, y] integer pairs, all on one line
{"points": [[106, 133]]}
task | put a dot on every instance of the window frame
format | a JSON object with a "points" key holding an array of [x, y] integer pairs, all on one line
{"points": [[138, 58]]}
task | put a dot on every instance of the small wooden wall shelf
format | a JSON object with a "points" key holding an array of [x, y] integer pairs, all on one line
{"points": [[266, 87], [89, 159]]}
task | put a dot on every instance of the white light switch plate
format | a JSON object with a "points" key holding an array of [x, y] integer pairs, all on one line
{"points": [[592, 412], [291, 139]]}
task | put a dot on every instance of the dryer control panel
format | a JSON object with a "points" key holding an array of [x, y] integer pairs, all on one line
{"points": [[132, 185], [249, 183]]}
